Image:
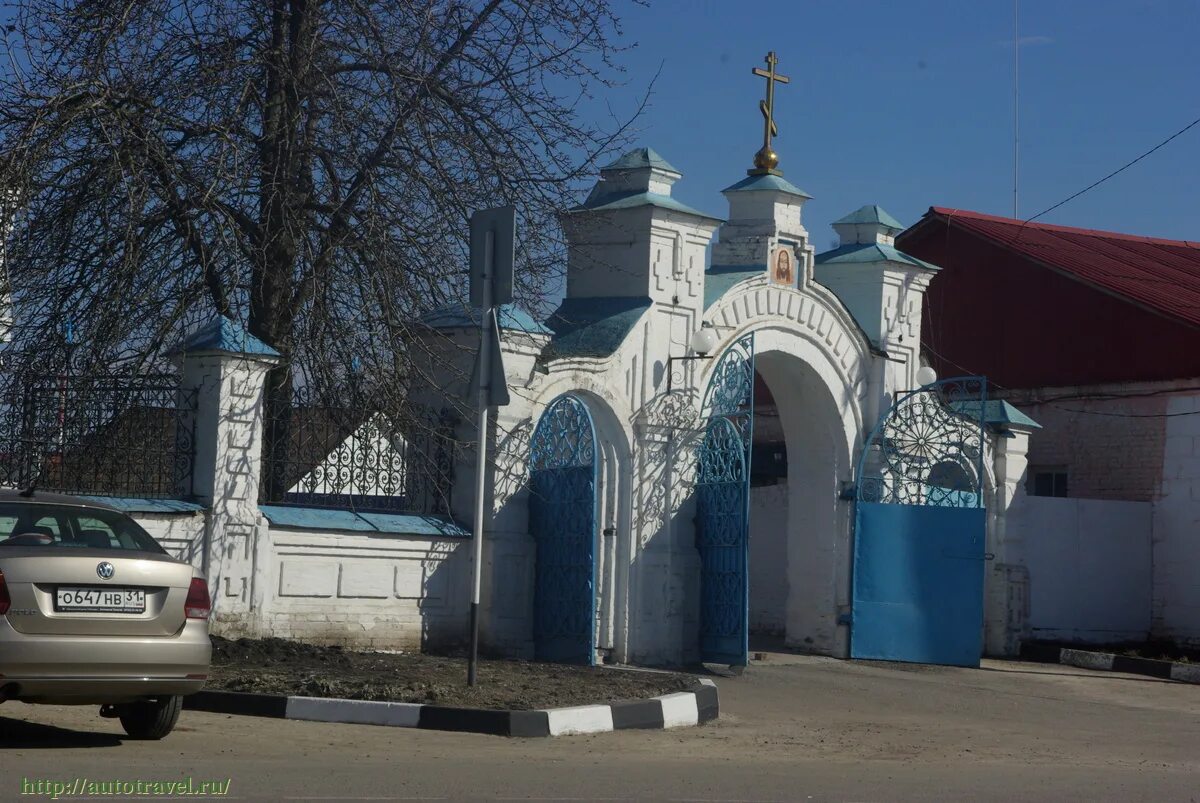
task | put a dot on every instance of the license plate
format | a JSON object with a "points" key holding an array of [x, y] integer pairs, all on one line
{"points": [[101, 600]]}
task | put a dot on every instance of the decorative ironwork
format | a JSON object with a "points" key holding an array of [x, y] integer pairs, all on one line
{"points": [[722, 506], [721, 500], [671, 433], [928, 449], [338, 451], [564, 437], [512, 463], [562, 521], [731, 386], [100, 435]]}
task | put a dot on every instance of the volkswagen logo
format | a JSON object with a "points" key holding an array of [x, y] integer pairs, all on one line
{"points": [[105, 570]]}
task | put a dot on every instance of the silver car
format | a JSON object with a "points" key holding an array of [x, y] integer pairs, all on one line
{"points": [[94, 612]]}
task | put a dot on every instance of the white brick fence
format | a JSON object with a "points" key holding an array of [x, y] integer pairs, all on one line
{"points": [[379, 580]]}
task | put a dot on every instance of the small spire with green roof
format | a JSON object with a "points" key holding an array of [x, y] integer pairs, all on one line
{"points": [[867, 224]]}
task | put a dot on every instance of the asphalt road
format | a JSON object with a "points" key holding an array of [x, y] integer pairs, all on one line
{"points": [[792, 729]]}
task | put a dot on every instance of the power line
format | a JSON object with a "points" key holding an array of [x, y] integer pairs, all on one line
{"points": [[1124, 415], [1120, 169], [1051, 401]]}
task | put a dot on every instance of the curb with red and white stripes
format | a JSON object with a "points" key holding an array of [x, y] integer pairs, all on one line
{"points": [[696, 706]]}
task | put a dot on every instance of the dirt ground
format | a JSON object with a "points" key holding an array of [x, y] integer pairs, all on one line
{"points": [[277, 666], [793, 729]]}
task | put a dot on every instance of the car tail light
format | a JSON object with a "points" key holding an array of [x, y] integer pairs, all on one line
{"points": [[198, 603], [5, 599]]}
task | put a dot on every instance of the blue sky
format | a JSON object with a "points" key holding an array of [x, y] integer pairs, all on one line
{"points": [[909, 104]]}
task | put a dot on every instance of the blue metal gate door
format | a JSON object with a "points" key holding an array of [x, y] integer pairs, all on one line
{"points": [[722, 507], [562, 521], [920, 528]]}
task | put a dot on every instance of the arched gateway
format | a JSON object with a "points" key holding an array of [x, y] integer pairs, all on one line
{"points": [[659, 503]]}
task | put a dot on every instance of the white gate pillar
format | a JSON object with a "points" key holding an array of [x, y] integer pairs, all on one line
{"points": [[1006, 581], [226, 368]]}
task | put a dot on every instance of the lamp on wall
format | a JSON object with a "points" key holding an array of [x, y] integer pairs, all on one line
{"points": [[926, 376], [702, 342]]}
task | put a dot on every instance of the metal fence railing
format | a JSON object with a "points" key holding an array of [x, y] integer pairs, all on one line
{"points": [[338, 452], [129, 436]]}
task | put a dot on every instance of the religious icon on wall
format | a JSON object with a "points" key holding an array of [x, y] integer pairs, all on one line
{"points": [[782, 267]]}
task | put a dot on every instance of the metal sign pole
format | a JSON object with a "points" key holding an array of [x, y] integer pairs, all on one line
{"points": [[492, 254], [485, 337]]}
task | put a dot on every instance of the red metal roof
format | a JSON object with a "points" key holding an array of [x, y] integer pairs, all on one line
{"points": [[1161, 275]]}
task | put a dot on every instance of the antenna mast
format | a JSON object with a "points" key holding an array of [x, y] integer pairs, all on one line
{"points": [[1016, 106]]}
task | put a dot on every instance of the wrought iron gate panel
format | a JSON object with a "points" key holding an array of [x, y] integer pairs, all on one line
{"points": [[920, 528], [722, 506], [562, 520]]}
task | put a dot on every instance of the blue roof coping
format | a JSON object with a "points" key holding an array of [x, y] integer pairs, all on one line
{"points": [[870, 252], [634, 199], [870, 213], [227, 336], [133, 504], [767, 181], [996, 412], [310, 518], [641, 158], [593, 327], [720, 279], [455, 316]]}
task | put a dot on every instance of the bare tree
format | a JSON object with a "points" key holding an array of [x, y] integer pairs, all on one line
{"points": [[304, 166]]}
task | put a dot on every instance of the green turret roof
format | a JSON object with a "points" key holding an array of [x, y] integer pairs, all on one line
{"points": [[871, 213], [640, 158], [629, 200], [870, 252], [767, 182]]}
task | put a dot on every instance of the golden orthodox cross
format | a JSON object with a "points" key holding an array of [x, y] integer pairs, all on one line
{"points": [[766, 160]]}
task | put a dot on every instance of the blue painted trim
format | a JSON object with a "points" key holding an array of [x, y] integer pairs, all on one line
{"points": [[224, 335], [133, 504], [311, 518]]}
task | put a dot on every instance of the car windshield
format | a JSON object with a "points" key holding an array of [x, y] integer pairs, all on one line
{"points": [[35, 524]]}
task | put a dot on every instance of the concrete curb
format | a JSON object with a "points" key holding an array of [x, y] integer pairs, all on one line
{"points": [[1109, 662], [681, 709]]}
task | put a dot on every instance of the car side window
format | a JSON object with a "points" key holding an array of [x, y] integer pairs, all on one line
{"points": [[8, 526]]}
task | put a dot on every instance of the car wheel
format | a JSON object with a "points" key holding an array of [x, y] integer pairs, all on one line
{"points": [[151, 719]]}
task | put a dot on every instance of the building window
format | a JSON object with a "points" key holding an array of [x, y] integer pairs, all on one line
{"points": [[1047, 481]]}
